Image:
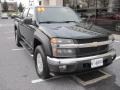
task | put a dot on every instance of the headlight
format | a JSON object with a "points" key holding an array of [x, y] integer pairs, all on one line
{"points": [[62, 52]]}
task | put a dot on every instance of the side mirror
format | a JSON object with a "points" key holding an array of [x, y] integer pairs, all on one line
{"points": [[27, 21]]}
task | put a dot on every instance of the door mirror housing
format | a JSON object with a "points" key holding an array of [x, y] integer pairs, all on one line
{"points": [[27, 21]]}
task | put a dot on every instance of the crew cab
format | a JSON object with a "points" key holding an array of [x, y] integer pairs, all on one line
{"points": [[59, 42]]}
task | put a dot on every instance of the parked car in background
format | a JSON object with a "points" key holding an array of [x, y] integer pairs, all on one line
{"points": [[4, 16], [13, 15]]}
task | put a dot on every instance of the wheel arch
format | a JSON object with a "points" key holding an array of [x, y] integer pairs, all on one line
{"points": [[36, 43], [43, 43], [15, 27]]}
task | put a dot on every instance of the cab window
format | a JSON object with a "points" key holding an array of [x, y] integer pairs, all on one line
{"points": [[31, 13]]}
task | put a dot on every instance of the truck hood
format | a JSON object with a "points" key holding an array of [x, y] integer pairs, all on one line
{"points": [[72, 31]]}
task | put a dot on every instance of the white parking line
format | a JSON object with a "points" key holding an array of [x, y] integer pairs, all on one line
{"points": [[18, 49], [37, 80], [42, 80], [31, 55], [117, 58], [117, 41]]}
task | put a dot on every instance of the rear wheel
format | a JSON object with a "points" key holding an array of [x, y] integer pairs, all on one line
{"points": [[41, 63], [17, 38]]}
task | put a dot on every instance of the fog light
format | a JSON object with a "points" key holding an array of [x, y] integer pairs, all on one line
{"points": [[63, 67]]}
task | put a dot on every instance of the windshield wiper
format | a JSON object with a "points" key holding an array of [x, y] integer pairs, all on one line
{"points": [[69, 21], [58, 22], [50, 22]]}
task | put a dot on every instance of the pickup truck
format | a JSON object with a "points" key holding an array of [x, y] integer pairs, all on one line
{"points": [[61, 43]]}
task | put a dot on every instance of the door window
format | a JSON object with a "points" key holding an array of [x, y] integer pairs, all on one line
{"points": [[25, 13], [31, 13]]}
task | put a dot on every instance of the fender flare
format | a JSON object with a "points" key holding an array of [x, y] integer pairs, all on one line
{"points": [[44, 42]]}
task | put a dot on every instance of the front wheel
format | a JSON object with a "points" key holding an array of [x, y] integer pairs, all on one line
{"points": [[41, 63]]}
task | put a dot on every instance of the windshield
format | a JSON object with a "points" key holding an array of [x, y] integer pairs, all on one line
{"points": [[57, 14]]}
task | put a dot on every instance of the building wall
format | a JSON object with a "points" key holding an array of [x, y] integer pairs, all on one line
{"points": [[48, 2], [114, 4], [12, 6], [53, 2], [59, 2]]}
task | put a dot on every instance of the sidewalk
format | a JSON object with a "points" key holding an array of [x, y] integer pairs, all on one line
{"points": [[117, 37]]}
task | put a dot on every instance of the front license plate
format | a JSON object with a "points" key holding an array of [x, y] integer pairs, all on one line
{"points": [[96, 63]]}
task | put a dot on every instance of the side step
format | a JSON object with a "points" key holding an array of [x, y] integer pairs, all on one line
{"points": [[27, 48], [91, 77]]}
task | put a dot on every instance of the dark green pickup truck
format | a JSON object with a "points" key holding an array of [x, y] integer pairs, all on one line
{"points": [[60, 43]]}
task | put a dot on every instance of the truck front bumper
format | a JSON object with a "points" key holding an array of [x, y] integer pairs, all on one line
{"points": [[78, 64], [68, 61]]}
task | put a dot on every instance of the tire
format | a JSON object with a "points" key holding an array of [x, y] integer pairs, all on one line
{"points": [[17, 39], [41, 64]]}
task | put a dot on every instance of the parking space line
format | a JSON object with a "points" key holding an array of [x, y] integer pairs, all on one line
{"points": [[117, 58], [117, 41], [18, 49], [37, 80], [31, 55], [42, 80]]}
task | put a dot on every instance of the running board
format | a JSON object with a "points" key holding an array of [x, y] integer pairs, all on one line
{"points": [[27, 48]]}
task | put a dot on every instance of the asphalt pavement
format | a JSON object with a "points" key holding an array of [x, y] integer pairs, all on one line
{"points": [[17, 71]]}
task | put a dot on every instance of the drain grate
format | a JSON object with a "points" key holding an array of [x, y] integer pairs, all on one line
{"points": [[91, 77]]}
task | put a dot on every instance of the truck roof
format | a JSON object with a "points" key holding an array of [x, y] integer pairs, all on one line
{"points": [[47, 6]]}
